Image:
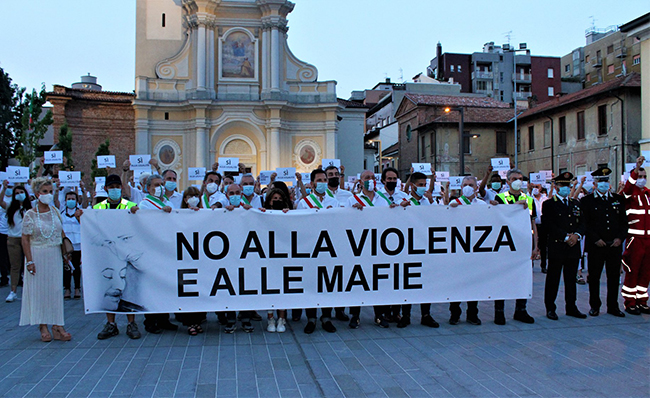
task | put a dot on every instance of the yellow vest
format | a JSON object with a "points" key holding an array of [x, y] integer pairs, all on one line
{"points": [[124, 204], [508, 198]]}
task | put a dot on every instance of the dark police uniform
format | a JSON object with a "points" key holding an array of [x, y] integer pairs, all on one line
{"points": [[604, 219], [562, 217]]}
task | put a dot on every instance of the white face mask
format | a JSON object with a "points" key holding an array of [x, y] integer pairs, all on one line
{"points": [[641, 182], [516, 185], [370, 185], [159, 191], [193, 201], [468, 191], [211, 188], [46, 199], [535, 191]]}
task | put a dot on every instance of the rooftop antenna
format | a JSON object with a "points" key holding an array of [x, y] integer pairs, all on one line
{"points": [[508, 35], [593, 22], [401, 75]]}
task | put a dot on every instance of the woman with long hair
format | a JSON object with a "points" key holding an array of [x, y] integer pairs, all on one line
{"points": [[16, 210]]}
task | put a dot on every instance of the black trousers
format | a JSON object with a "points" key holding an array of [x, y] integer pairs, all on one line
{"points": [[191, 318], [542, 239], [557, 267], [472, 309], [610, 259], [312, 313], [155, 319], [425, 309], [76, 274], [4, 260], [520, 305]]}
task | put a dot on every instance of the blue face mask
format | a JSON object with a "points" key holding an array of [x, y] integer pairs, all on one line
{"points": [[248, 190], [603, 187], [235, 200], [71, 203], [9, 192], [420, 191], [496, 186], [308, 190], [170, 185], [321, 187], [115, 194], [21, 197], [564, 191]]}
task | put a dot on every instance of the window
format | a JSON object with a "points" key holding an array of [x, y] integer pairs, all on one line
{"points": [[451, 68], [581, 125], [502, 144], [588, 77], [531, 138], [567, 68], [602, 120], [166, 115], [587, 59], [458, 70], [610, 69], [550, 73], [467, 150], [432, 140], [610, 49], [636, 59], [518, 141], [551, 91], [562, 123], [423, 145], [408, 133], [163, 20], [547, 134]]}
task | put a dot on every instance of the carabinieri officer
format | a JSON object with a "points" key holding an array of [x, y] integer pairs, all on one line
{"points": [[561, 215]]}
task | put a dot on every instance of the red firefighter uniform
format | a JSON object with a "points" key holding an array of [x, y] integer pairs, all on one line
{"points": [[636, 258]]}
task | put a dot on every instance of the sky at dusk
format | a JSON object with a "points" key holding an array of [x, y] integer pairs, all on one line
{"points": [[358, 43]]}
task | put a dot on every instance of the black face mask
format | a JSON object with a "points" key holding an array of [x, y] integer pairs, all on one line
{"points": [[277, 205], [333, 182], [391, 185]]}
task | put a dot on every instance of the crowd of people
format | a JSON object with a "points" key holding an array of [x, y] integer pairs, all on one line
{"points": [[570, 220]]}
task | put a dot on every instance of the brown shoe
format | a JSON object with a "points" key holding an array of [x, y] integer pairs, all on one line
{"points": [[58, 333]]}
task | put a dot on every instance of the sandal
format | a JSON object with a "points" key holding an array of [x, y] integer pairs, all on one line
{"points": [[77, 294], [198, 328], [66, 294], [58, 333], [46, 337], [192, 330]]}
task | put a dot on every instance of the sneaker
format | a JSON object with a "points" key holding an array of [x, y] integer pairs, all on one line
{"points": [[271, 327], [247, 326], [282, 325], [310, 327], [473, 320], [132, 331], [404, 322], [499, 318], [329, 327], [230, 328], [580, 280], [110, 330], [382, 322], [427, 320], [11, 297], [354, 322]]}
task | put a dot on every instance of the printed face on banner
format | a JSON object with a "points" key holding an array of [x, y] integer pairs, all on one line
{"points": [[105, 161], [139, 162], [422, 168], [286, 174], [195, 173], [17, 174], [332, 162], [500, 164], [228, 164], [53, 157], [455, 182]]}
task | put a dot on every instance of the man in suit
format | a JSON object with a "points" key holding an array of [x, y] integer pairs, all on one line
{"points": [[561, 215], [605, 223]]}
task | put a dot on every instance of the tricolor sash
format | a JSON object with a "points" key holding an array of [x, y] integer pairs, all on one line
{"points": [[158, 204], [313, 202]]}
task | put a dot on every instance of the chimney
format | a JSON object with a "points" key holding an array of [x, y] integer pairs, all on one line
{"points": [[440, 74]]}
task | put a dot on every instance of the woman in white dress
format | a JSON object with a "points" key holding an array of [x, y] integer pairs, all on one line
{"points": [[42, 302]]}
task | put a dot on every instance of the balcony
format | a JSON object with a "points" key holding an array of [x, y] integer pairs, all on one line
{"points": [[484, 92], [522, 77], [523, 95], [482, 75], [621, 52], [597, 63]]}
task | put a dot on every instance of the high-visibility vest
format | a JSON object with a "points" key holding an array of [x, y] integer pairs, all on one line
{"points": [[124, 204], [508, 198]]}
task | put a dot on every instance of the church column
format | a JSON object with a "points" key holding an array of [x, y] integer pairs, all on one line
{"points": [[142, 145], [265, 57], [275, 58], [211, 55], [200, 57], [274, 148], [201, 132]]}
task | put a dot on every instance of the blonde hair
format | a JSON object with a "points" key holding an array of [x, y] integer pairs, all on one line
{"points": [[38, 183]]}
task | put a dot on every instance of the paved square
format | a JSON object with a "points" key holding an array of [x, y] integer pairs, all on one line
{"points": [[597, 357]]}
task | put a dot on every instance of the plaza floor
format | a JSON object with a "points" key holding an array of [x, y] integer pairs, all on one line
{"points": [[600, 356]]}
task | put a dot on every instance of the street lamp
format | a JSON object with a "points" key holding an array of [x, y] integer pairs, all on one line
{"points": [[522, 47], [381, 163]]}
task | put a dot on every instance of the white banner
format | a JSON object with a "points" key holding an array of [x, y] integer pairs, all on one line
{"points": [[189, 261], [53, 157]]}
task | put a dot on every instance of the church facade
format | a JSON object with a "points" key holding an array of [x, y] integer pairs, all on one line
{"points": [[216, 78]]}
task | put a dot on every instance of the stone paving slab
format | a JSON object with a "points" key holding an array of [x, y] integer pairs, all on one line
{"points": [[601, 356]]}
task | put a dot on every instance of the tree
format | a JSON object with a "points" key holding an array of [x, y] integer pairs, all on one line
{"points": [[10, 117], [33, 129], [101, 151], [65, 145]]}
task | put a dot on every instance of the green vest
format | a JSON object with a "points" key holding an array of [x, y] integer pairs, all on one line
{"points": [[124, 204]]}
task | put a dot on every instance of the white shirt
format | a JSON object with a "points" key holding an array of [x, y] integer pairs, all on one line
{"points": [[137, 195], [4, 227], [218, 197], [398, 195], [327, 202], [475, 201], [256, 201], [17, 230], [538, 208], [72, 228], [145, 204], [176, 199], [491, 194], [377, 200], [422, 201], [341, 195]]}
